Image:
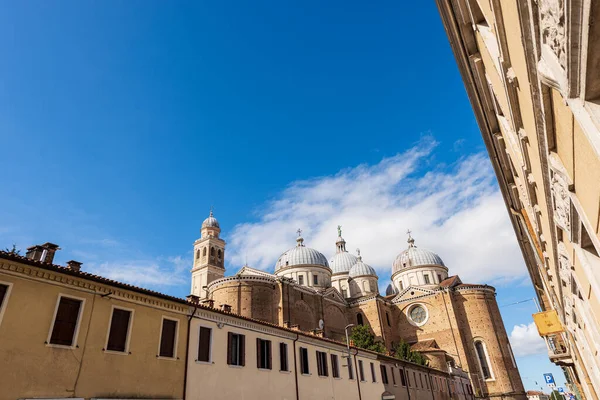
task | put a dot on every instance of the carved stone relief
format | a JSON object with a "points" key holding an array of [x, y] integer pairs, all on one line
{"points": [[552, 26], [564, 265], [562, 202]]}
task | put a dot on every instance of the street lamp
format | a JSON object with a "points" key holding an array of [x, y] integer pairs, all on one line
{"points": [[347, 340]]}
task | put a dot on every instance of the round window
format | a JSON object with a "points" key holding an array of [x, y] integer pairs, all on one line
{"points": [[418, 314]]}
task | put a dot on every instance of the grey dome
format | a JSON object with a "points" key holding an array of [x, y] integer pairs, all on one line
{"points": [[414, 257], [301, 255], [391, 290], [210, 222], [342, 262], [360, 269]]}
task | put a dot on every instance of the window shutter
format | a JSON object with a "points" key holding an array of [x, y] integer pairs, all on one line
{"points": [[117, 338], [269, 356], [204, 344], [229, 350], [3, 290], [242, 350], [258, 353], [65, 322], [167, 338]]}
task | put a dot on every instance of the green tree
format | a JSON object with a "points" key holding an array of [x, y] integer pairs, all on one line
{"points": [[365, 339]]}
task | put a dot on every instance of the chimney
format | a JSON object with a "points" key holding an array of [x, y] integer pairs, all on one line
{"points": [[226, 307], [42, 252], [74, 265], [193, 299]]}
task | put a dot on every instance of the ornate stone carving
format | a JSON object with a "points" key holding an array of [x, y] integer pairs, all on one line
{"points": [[564, 266], [552, 26], [562, 202]]}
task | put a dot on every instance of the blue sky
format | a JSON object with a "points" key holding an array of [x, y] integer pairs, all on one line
{"points": [[123, 122]]}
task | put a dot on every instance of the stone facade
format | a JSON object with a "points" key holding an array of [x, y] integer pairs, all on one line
{"points": [[451, 317], [530, 68]]}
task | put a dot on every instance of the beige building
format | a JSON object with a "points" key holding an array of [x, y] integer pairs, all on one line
{"points": [[532, 72], [452, 323], [68, 334]]}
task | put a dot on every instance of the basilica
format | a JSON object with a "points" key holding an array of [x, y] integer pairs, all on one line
{"points": [[451, 323]]}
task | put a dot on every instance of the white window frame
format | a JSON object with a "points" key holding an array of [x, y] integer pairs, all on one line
{"points": [[160, 338], [6, 297], [487, 358], [77, 326], [210, 347], [129, 329], [409, 310]]}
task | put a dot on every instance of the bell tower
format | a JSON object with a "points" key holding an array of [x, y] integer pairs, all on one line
{"points": [[209, 257]]}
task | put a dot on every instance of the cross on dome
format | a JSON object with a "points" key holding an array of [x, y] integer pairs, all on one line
{"points": [[299, 239], [411, 240]]}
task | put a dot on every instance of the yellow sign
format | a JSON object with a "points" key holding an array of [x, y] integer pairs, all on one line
{"points": [[547, 323]]}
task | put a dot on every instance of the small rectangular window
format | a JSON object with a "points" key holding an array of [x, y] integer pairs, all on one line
{"points": [[402, 377], [263, 354], [3, 292], [304, 369], [119, 330], [168, 338], [204, 342], [361, 371], [236, 349], [426, 382], [301, 279], [439, 278], [373, 372], [393, 375], [421, 379], [315, 279], [387, 317], [335, 367], [350, 369], [427, 281], [415, 379], [65, 322], [401, 286], [384, 377], [283, 357], [322, 363]]}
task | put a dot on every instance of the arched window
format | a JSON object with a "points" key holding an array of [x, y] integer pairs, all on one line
{"points": [[197, 254], [219, 254], [483, 359], [212, 251], [204, 252], [359, 319]]}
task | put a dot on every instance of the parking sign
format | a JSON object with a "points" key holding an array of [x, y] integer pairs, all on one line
{"points": [[549, 379]]}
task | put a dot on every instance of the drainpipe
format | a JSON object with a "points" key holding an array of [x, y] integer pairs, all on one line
{"points": [[403, 371], [430, 384], [357, 374], [295, 367], [187, 351]]}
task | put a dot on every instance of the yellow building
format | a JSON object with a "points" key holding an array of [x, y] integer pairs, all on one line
{"points": [[66, 333], [532, 72]]}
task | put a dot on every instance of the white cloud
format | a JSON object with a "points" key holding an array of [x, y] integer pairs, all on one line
{"points": [[525, 340], [456, 211], [155, 273]]}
